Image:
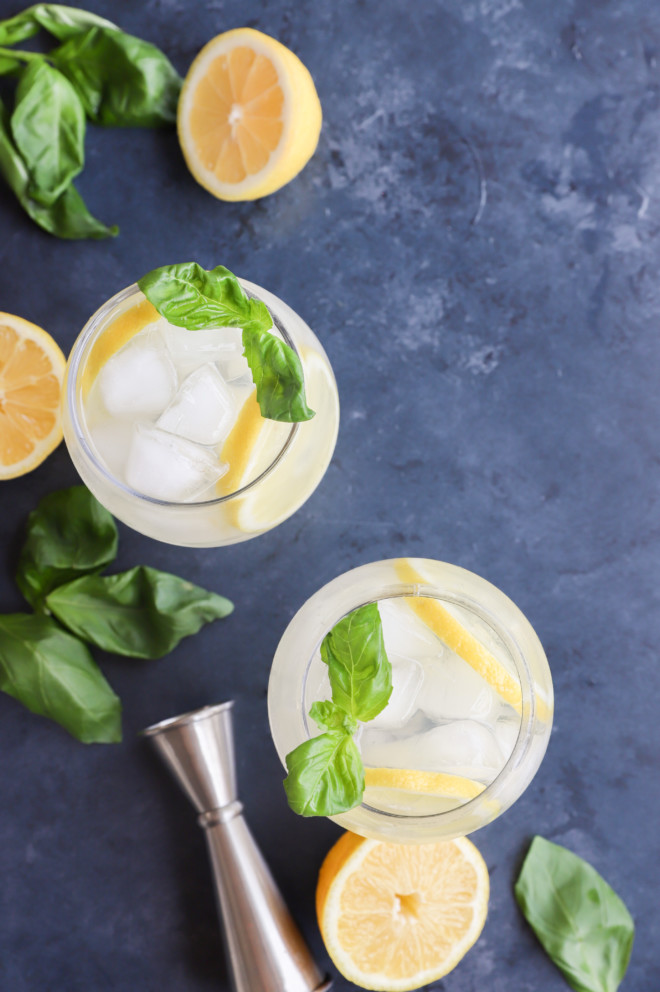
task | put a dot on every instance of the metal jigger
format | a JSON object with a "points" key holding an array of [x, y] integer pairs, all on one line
{"points": [[265, 948]]}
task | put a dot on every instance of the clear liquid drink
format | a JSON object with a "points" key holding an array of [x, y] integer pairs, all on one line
{"points": [[470, 713], [163, 425]]}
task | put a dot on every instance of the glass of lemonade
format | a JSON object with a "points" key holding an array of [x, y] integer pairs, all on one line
{"points": [[470, 714], [163, 425]]}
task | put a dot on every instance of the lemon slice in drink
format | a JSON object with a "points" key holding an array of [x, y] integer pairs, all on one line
{"points": [[417, 792], [118, 333], [251, 447], [254, 443], [396, 917], [408, 780], [449, 630]]}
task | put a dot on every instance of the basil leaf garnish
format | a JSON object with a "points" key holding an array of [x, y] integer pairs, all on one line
{"points": [[67, 217], [48, 127], [69, 534], [122, 80], [54, 675], [142, 613], [329, 716], [581, 922], [359, 670], [278, 376], [195, 298], [326, 775]]}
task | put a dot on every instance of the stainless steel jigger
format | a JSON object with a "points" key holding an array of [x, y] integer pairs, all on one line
{"points": [[265, 948]]}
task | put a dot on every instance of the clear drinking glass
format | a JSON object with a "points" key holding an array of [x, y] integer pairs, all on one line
{"points": [[292, 458], [472, 702]]}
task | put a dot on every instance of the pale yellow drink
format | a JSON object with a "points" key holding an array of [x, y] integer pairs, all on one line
{"points": [[163, 425], [470, 713]]}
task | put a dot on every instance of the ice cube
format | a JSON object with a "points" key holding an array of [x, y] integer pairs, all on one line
{"points": [[168, 467], [190, 349], [454, 691], [462, 747], [407, 677], [405, 634], [140, 380], [112, 439], [203, 410]]}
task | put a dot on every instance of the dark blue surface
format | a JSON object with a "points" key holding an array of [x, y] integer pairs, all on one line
{"points": [[476, 245]]}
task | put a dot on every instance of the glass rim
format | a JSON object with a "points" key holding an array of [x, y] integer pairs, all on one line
{"points": [[529, 704], [82, 434]]}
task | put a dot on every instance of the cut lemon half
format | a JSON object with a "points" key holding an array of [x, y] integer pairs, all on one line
{"points": [[249, 117], [31, 374], [398, 916]]}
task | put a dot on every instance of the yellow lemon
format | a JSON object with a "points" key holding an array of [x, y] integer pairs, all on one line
{"points": [[31, 374], [398, 916], [249, 116]]}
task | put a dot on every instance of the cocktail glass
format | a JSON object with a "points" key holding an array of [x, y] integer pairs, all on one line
{"points": [[470, 714], [269, 477]]}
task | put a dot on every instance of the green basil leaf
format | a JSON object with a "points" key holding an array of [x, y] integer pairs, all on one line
{"points": [[67, 217], [326, 775], [69, 534], [54, 675], [61, 21], [329, 716], [122, 81], [581, 922], [195, 298], [48, 127], [360, 672], [9, 64], [278, 376], [142, 613]]}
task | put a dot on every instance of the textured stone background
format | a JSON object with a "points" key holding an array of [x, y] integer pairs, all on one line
{"points": [[476, 244]]}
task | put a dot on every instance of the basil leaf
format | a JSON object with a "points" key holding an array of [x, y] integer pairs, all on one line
{"points": [[360, 672], [195, 298], [122, 80], [69, 534], [9, 64], [67, 217], [329, 716], [326, 775], [54, 675], [278, 376], [61, 21], [142, 613], [48, 127], [581, 922]]}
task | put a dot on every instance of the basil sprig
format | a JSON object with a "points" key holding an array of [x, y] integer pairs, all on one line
{"points": [[579, 919], [98, 72], [325, 773], [195, 298], [142, 613]]}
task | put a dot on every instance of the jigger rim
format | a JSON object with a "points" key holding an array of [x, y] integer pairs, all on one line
{"points": [[191, 717]]}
